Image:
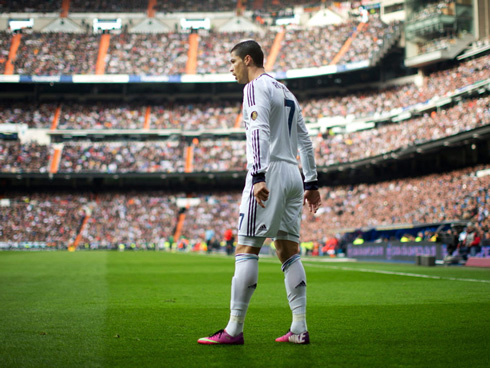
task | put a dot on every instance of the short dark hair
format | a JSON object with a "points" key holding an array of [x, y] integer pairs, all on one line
{"points": [[252, 48]]}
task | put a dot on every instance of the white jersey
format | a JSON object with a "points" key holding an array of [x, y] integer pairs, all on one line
{"points": [[275, 128]]}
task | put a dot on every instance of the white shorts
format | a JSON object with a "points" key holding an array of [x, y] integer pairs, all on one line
{"points": [[281, 217]]}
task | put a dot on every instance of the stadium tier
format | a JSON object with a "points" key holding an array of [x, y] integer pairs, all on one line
{"points": [[221, 115], [64, 116], [227, 154], [167, 54], [129, 217], [126, 141], [187, 117]]}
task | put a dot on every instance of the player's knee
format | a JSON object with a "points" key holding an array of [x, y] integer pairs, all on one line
{"points": [[240, 249], [286, 249]]}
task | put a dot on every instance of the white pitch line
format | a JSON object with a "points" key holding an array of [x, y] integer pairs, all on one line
{"points": [[398, 273]]}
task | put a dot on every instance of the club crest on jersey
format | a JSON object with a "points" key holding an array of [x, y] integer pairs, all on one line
{"points": [[254, 115]]}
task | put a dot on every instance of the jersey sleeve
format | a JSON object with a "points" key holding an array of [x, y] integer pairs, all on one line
{"points": [[307, 154], [258, 104]]}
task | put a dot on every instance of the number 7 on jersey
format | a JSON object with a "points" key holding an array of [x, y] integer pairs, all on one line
{"points": [[292, 106]]}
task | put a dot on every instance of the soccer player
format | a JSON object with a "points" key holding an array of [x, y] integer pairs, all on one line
{"points": [[274, 193]]}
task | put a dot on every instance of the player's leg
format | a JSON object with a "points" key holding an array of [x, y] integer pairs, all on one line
{"points": [[287, 247], [244, 283], [295, 282], [245, 278]]}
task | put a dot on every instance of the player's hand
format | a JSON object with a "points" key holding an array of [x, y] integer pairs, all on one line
{"points": [[313, 199], [261, 193]]}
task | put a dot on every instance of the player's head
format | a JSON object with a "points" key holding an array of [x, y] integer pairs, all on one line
{"points": [[252, 48], [244, 55]]}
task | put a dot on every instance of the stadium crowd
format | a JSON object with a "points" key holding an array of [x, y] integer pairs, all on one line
{"points": [[152, 216], [34, 115], [225, 154], [121, 157], [56, 53], [377, 102], [220, 155], [211, 115], [184, 116], [54, 218], [318, 53], [370, 40], [28, 157], [147, 54], [101, 116], [354, 146], [214, 214], [130, 218], [195, 116]]}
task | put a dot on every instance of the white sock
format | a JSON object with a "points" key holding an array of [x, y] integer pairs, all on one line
{"points": [[295, 281], [243, 286]]}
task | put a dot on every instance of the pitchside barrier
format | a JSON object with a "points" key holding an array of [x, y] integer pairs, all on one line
{"points": [[404, 252]]}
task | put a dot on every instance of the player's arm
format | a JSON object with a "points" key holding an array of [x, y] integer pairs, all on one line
{"points": [[259, 107], [307, 155], [259, 110]]}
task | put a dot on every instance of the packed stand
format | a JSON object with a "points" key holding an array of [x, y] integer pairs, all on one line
{"points": [[187, 116], [211, 115], [122, 157], [220, 155], [143, 220], [369, 41], [214, 49], [53, 218], [215, 213], [457, 195], [102, 116], [376, 102], [56, 54], [147, 54], [16, 157], [341, 148], [151, 217], [192, 116], [319, 45], [443, 82], [34, 115]]}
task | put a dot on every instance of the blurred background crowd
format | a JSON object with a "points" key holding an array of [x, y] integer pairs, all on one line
{"points": [[199, 135], [150, 217]]}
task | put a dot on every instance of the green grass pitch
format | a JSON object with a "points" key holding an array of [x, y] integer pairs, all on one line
{"points": [[147, 309]]}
